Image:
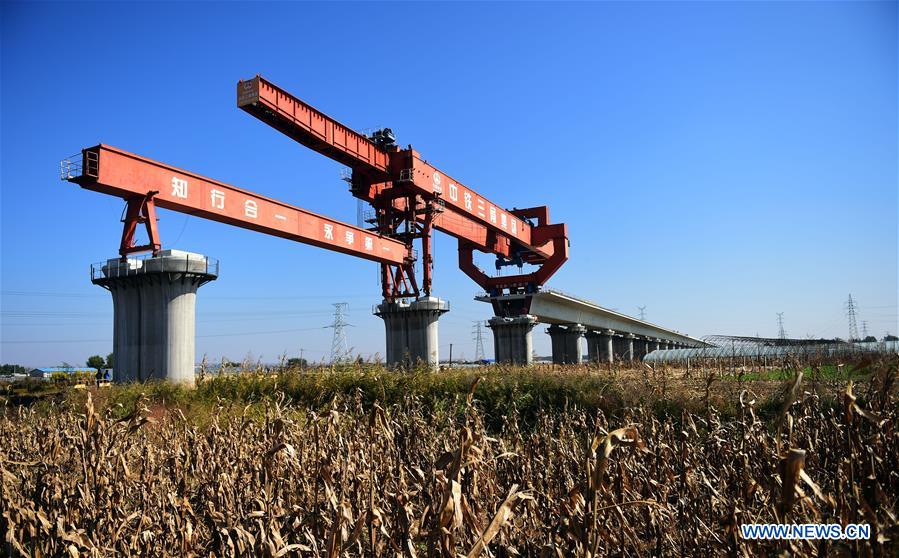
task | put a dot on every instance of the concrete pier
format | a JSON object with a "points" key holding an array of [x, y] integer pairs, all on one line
{"points": [[566, 343], [621, 346], [607, 346], [593, 345], [629, 345], [154, 313], [513, 339], [600, 346], [411, 329], [643, 349]]}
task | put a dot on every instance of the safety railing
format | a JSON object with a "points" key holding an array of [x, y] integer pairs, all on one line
{"points": [[70, 167], [74, 166], [142, 265], [444, 305]]}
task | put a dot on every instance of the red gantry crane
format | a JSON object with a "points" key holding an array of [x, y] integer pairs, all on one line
{"points": [[410, 197]]}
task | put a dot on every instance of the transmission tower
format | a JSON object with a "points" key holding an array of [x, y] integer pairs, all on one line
{"points": [[780, 326], [850, 312], [642, 310], [864, 329], [477, 334], [340, 352]]}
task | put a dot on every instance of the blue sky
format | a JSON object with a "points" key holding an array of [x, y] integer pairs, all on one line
{"points": [[715, 162]]}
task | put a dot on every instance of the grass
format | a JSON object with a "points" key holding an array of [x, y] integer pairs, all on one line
{"points": [[502, 390]]}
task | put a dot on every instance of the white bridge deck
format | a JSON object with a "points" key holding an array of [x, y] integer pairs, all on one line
{"points": [[553, 307]]}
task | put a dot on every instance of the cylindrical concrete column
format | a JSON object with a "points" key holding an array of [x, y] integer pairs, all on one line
{"points": [[574, 347], [411, 330], [566, 343], [557, 341], [639, 349], [154, 313], [125, 327], [593, 349], [513, 339], [607, 345], [630, 347]]}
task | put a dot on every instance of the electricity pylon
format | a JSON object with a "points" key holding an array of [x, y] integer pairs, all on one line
{"points": [[340, 352]]}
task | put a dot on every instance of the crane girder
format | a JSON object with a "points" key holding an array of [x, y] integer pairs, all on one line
{"points": [[116, 172]]}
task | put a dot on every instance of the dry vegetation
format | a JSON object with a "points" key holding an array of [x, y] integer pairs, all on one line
{"points": [[651, 466]]}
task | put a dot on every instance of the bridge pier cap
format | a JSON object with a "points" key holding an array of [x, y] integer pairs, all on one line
{"points": [[154, 313]]}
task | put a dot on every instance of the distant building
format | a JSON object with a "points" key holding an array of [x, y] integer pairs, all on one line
{"points": [[47, 373]]}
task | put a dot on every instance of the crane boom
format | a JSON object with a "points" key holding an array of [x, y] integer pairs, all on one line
{"points": [[311, 127], [119, 173], [376, 170]]}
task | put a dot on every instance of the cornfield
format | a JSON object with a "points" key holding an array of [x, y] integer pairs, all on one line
{"points": [[361, 478]]}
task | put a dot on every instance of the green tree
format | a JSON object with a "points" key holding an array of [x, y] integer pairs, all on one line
{"points": [[297, 363], [108, 361], [10, 369], [96, 361]]}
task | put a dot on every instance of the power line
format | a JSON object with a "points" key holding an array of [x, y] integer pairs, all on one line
{"points": [[477, 335], [241, 334], [47, 294], [340, 351]]}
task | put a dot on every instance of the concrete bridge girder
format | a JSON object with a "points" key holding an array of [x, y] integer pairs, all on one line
{"points": [[554, 308]]}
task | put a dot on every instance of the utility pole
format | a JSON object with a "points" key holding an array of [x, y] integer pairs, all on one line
{"points": [[339, 349], [642, 310], [850, 313], [451, 356], [477, 334], [781, 334]]}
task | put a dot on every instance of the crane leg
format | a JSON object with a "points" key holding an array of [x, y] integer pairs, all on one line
{"points": [[140, 211]]}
